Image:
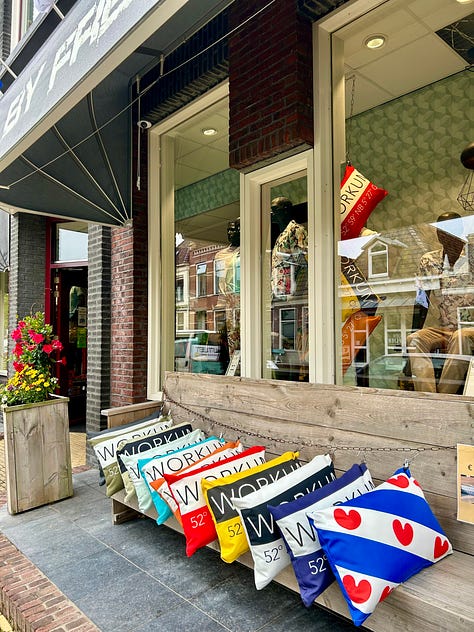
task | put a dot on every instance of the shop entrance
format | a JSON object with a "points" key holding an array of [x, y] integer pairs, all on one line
{"points": [[69, 316]]}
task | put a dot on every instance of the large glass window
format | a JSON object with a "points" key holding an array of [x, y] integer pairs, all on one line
{"points": [[406, 294], [285, 278], [207, 236]]}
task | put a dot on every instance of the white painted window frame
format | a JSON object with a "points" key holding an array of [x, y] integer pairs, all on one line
{"points": [[329, 159]]}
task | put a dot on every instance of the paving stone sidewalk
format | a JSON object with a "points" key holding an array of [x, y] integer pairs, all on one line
{"points": [[136, 576]]}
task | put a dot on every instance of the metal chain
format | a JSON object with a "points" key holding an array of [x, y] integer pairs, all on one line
{"points": [[302, 442]]}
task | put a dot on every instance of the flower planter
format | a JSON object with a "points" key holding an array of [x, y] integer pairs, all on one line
{"points": [[37, 454]]}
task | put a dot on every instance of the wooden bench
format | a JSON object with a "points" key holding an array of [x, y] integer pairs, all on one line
{"points": [[382, 427]]}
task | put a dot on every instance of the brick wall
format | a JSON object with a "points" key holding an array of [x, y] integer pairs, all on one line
{"points": [[27, 267], [98, 326], [129, 297], [270, 83]]}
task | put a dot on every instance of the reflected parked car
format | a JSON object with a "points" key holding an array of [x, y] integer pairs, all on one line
{"points": [[394, 371]]}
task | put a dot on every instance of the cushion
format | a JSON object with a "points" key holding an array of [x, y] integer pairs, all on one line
{"points": [[220, 494], [105, 447], [152, 466], [92, 434], [265, 541], [312, 571], [198, 526], [359, 197], [163, 499], [378, 540], [132, 480], [143, 444]]}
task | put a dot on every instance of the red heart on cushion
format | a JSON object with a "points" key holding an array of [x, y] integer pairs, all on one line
{"points": [[399, 481], [358, 593], [404, 533], [385, 592], [349, 520], [440, 547]]}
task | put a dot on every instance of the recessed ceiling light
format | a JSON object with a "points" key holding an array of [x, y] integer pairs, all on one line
{"points": [[209, 131], [464, 1], [375, 41]]}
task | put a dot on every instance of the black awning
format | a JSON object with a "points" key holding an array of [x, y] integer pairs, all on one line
{"points": [[65, 120]]}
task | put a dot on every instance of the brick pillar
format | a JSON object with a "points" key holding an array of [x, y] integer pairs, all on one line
{"points": [[270, 83], [129, 298], [27, 268], [98, 330]]}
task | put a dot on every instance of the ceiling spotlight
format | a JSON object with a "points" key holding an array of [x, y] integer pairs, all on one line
{"points": [[209, 131], [375, 41]]}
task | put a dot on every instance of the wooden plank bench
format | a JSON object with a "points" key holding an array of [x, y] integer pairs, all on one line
{"points": [[383, 427]]}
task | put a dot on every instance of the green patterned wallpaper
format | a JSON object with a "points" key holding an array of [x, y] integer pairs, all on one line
{"points": [[210, 193], [411, 147]]}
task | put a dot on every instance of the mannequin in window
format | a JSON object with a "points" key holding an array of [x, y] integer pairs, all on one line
{"points": [[445, 272], [289, 253], [227, 266]]}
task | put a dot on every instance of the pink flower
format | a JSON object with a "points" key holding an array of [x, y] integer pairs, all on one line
{"points": [[47, 349], [36, 337], [16, 334]]}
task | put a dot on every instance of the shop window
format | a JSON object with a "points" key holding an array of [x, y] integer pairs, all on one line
{"points": [[404, 300], [285, 277], [71, 241]]}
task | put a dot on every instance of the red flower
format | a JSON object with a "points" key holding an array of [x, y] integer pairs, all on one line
{"points": [[18, 366], [18, 350], [36, 337], [63, 360], [21, 324], [57, 345], [16, 334], [47, 348]]}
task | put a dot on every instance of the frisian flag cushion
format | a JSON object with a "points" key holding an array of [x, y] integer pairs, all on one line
{"points": [[164, 501], [359, 197], [141, 445], [312, 570], [105, 447], [378, 540], [198, 526], [265, 541], [220, 494], [133, 481], [153, 467]]}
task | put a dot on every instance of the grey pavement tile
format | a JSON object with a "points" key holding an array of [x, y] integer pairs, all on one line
{"points": [[55, 544], [239, 606], [94, 574], [186, 617], [126, 602], [304, 619]]}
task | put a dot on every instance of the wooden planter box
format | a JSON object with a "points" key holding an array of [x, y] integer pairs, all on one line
{"points": [[37, 454]]}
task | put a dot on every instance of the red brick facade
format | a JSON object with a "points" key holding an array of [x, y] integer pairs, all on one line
{"points": [[271, 104], [129, 298]]}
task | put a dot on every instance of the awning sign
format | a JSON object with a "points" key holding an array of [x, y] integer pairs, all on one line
{"points": [[78, 55]]}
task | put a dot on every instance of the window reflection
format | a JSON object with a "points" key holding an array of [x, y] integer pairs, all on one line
{"points": [[413, 325], [285, 282]]}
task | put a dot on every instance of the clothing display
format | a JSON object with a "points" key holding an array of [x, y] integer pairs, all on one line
{"points": [[442, 289], [290, 262]]}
